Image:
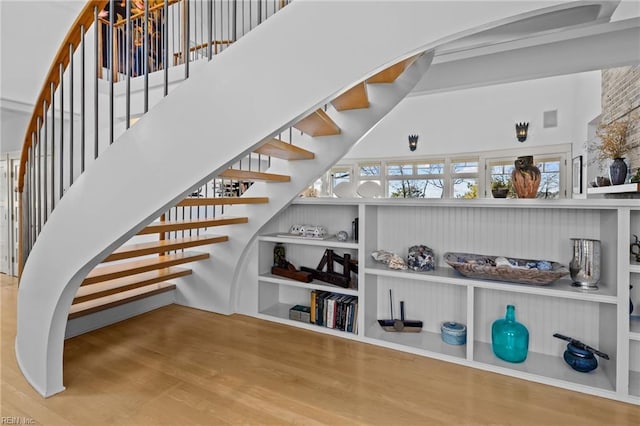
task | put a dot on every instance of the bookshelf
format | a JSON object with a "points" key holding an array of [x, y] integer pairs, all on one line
{"points": [[277, 294], [534, 229]]}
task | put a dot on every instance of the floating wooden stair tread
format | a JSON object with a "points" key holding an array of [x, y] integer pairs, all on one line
{"points": [[318, 123], [389, 75], [111, 301], [106, 288], [221, 201], [119, 270], [163, 246], [354, 98], [179, 225], [283, 150], [250, 176]]}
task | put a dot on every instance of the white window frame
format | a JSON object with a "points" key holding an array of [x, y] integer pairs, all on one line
{"points": [[540, 154], [466, 175], [562, 152]]}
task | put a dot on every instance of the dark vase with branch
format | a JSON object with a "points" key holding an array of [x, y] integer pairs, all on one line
{"points": [[612, 147]]}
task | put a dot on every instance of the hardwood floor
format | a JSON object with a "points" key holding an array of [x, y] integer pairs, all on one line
{"points": [[178, 365]]}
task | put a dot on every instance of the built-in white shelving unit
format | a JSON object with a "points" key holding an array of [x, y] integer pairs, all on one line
{"points": [[533, 229], [277, 294]]}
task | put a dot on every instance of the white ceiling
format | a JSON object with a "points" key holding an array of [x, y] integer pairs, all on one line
{"points": [[571, 38]]}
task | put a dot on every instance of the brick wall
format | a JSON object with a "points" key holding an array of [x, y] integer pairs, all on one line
{"points": [[620, 94]]}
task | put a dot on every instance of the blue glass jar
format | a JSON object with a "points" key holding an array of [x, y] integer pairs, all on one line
{"points": [[509, 338]]}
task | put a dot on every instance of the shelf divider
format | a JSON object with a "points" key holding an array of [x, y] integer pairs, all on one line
{"points": [[279, 312], [329, 242], [445, 275], [543, 365], [424, 341], [313, 285]]}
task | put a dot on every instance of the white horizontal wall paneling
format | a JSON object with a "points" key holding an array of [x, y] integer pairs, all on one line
{"points": [[634, 357], [370, 309], [334, 218], [542, 316], [524, 233], [609, 248], [291, 296], [608, 343], [428, 302]]}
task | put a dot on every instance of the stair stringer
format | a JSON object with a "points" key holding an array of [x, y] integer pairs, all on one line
{"points": [[253, 90], [215, 287]]}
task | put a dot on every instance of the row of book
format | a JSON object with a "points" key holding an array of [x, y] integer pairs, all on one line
{"points": [[334, 310]]}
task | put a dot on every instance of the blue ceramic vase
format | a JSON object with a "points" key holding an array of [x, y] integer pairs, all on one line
{"points": [[509, 338]]}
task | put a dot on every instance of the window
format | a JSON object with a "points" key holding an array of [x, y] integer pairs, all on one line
{"points": [[550, 179], [415, 180], [464, 178], [339, 175], [400, 170], [501, 171], [415, 188], [369, 170], [551, 171], [460, 176]]}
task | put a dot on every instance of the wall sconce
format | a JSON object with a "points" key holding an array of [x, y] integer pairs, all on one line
{"points": [[413, 142], [521, 131]]}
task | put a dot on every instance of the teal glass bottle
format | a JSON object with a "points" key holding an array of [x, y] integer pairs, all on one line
{"points": [[509, 338]]}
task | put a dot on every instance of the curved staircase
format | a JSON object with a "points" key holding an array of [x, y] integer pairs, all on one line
{"points": [[318, 85], [114, 282]]}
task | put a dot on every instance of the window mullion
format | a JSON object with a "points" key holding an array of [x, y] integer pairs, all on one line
{"points": [[447, 181]]}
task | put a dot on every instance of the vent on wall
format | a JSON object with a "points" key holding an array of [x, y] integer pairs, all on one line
{"points": [[550, 118]]}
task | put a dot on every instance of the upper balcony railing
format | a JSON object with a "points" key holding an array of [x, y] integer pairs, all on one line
{"points": [[78, 115]]}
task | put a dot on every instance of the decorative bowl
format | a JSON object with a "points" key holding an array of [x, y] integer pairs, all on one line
{"points": [[509, 269]]}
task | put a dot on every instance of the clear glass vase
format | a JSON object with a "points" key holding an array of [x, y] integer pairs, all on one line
{"points": [[509, 338]]}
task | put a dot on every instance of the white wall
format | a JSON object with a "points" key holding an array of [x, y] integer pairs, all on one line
{"points": [[14, 125], [484, 118], [587, 106], [30, 34]]}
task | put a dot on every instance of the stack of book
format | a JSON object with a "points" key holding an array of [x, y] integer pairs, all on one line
{"points": [[334, 310]]}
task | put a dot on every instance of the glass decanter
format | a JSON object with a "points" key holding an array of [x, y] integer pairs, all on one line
{"points": [[509, 338]]}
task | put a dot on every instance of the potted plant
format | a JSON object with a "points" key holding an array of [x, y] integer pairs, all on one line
{"points": [[500, 187], [612, 147]]}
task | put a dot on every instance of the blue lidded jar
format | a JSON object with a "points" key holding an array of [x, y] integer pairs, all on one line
{"points": [[453, 333], [580, 359]]}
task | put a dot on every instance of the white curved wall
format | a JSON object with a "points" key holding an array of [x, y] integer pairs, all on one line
{"points": [[277, 73]]}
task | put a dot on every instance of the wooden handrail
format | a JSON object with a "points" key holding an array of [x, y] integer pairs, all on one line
{"points": [[84, 19], [62, 57], [53, 80]]}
